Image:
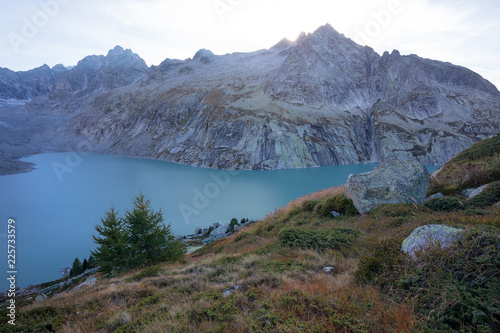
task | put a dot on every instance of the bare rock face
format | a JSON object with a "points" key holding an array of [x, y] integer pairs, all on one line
{"points": [[394, 181], [320, 100]]}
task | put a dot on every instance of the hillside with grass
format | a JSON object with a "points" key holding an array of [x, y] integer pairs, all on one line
{"points": [[476, 166], [302, 270]]}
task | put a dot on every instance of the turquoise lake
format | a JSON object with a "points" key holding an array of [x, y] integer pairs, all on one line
{"points": [[57, 205]]}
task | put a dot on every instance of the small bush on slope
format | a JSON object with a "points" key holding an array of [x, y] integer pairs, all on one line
{"points": [[445, 204], [318, 240], [338, 203]]}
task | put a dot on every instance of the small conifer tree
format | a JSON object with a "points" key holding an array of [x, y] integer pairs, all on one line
{"points": [[112, 251], [150, 240], [76, 269]]}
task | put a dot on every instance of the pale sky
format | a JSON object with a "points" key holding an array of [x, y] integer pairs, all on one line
{"points": [[34, 32]]}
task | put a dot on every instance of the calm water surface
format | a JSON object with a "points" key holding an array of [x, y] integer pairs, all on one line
{"points": [[57, 205]]}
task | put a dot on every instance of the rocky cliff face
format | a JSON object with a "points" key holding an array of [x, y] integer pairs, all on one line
{"points": [[319, 100]]}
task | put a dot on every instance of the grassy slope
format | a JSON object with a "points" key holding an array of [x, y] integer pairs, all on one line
{"points": [[373, 287], [476, 166], [281, 289]]}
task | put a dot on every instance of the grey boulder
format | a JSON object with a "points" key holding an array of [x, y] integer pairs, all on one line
{"points": [[394, 181], [436, 195], [477, 191], [428, 235], [221, 231]]}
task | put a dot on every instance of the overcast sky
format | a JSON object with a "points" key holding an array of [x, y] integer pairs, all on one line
{"points": [[34, 32]]}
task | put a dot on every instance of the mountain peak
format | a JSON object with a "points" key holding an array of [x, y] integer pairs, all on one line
{"points": [[326, 30], [203, 53], [117, 51]]}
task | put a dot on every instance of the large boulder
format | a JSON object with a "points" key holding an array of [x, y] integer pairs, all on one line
{"points": [[394, 181], [428, 235], [220, 232]]}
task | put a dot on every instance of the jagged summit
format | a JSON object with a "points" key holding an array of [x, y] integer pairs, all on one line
{"points": [[117, 50]]}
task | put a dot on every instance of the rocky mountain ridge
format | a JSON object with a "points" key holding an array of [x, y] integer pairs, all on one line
{"points": [[319, 100], [25, 85]]}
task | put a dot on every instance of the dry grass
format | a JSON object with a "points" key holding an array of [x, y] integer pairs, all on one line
{"points": [[280, 289]]}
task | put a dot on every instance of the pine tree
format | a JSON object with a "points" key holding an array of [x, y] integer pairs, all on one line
{"points": [[112, 251], [234, 222], [91, 262], [76, 269], [150, 240], [85, 265]]}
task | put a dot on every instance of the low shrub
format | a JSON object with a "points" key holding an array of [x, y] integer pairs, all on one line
{"points": [[280, 266], [338, 203], [151, 271], [380, 262], [445, 204], [308, 205], [317, 239], [490, 196]]}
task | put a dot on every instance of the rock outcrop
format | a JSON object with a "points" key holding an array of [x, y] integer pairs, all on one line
{"points": [[430, 235], [320, 100], [394, 181]]}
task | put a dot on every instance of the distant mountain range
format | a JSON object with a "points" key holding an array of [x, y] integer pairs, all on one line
{"points": [[319, 100]]}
